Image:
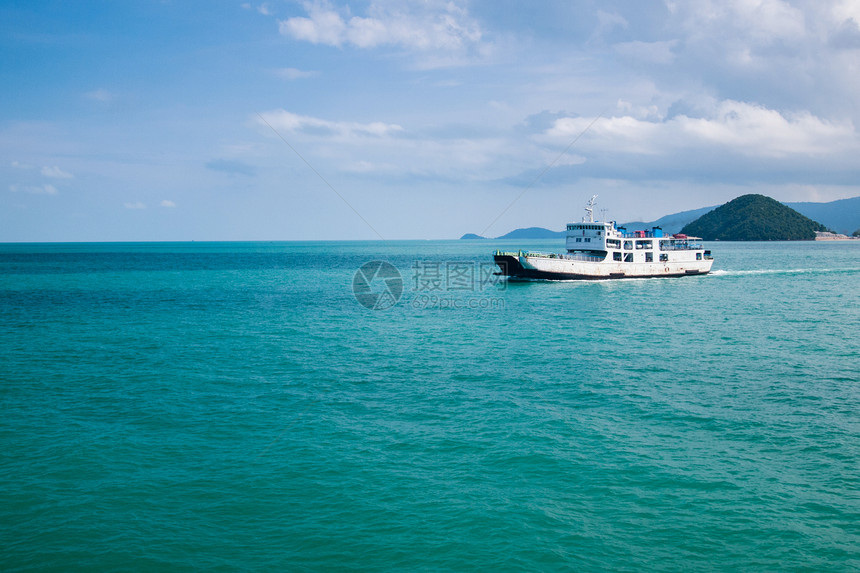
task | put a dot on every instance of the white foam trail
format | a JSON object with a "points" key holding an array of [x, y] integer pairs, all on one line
{"points": [[724, 272]]}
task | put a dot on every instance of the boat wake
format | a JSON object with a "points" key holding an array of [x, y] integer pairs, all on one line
{"points": [[727, 273]]}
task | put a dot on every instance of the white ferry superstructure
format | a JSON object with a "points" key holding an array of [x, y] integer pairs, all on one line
{"points": [[600, 250]]}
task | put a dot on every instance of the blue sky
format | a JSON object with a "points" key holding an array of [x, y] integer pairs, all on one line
{"points": [[290, 120]]}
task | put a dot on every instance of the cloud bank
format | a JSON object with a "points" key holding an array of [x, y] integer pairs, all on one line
{"points": [[425, 26]]}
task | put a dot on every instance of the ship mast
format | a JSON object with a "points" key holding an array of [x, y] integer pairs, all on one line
{"points": [[589, 210]]}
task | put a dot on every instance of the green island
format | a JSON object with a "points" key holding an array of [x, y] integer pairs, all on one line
{"points": [[753, 218]]}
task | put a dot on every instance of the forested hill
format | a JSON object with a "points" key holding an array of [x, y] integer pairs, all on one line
{"points": [[753, 218]]}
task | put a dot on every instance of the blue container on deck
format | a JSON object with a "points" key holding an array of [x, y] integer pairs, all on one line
{"points": [[658, 232]]}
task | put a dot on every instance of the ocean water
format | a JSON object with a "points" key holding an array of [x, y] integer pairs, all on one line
{"points": [[234, 407]]}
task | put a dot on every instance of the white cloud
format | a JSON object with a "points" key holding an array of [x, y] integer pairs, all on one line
{"points": [[19, 165], [45, 189], [56, 173], [432, 25], [284, 121], [389, 149], [847, 35], [168, 203], [607, 22], [294, 74], [651, 112], [639, 135], [762, 21], [846, 10], [324, 26], [766, 132], [135, 205], [738, 127], [265, 9]]}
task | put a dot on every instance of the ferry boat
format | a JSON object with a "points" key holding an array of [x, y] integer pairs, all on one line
{"points": [[600, 250]]}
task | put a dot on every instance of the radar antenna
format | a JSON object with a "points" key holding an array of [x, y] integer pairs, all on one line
{"points": [[589, 210]]}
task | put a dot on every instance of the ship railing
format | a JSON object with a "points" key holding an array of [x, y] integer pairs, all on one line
{"points": [[565, 256], [583, 257], [523, 254], [641, 235]]}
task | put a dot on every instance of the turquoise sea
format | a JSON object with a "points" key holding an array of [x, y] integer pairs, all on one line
{"points": [[233, 407]]}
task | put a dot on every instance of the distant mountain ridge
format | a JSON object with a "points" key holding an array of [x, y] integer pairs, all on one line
{"points": [[841, 216], [670, 223], [533, 233]]}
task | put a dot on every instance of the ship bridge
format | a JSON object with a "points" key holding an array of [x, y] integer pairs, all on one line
{"points": [[587, 236]]}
